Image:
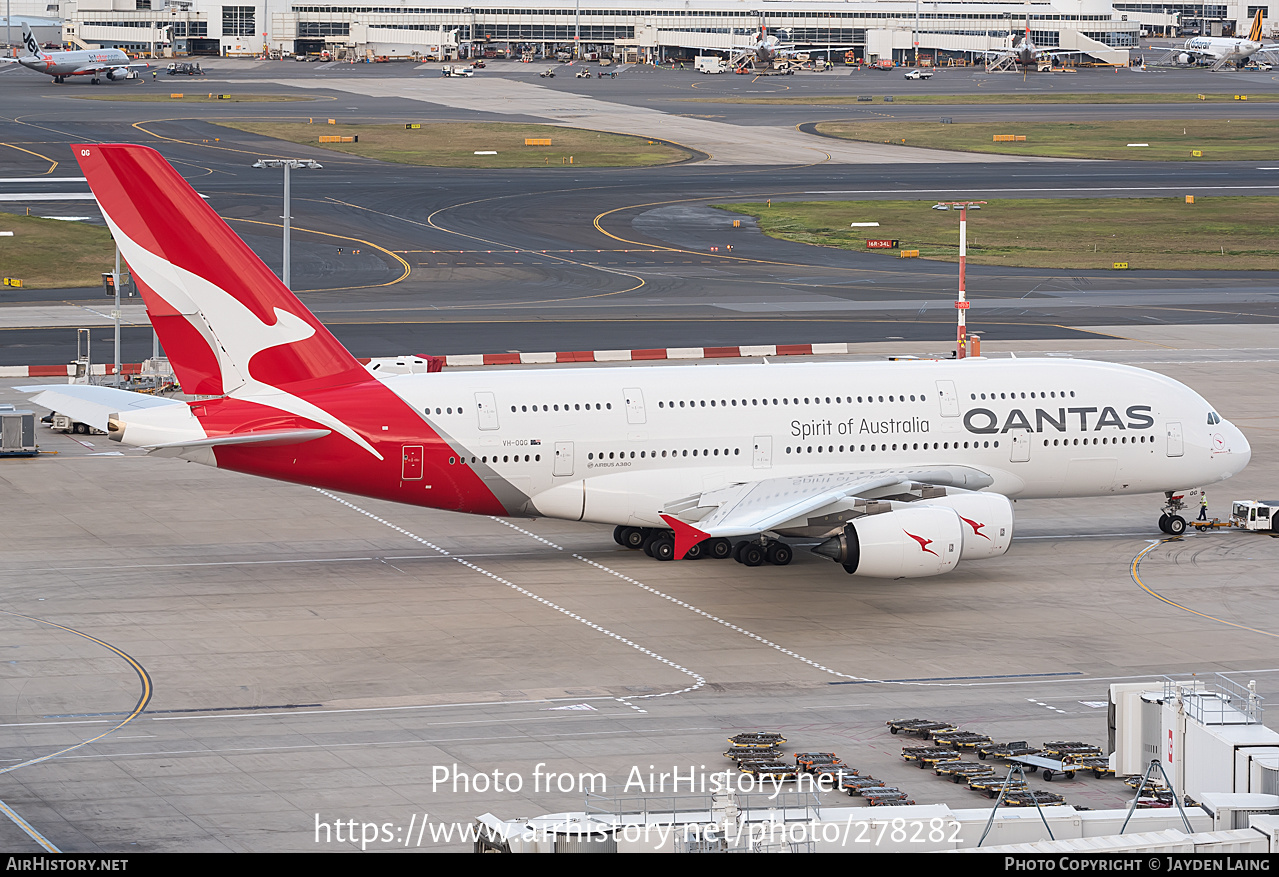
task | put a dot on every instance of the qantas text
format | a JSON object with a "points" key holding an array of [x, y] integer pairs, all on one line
{"points": [[986, 422]]}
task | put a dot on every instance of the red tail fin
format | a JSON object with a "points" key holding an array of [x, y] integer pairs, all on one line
{"points": [[225, 319]]}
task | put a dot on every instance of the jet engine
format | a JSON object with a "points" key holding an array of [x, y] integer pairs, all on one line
{"points": [[117, 74], [903, 544], [1185, 59], [986, 519]]}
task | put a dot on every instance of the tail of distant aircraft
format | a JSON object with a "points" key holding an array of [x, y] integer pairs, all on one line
{"points": [[1254, 35], [29, 40]]}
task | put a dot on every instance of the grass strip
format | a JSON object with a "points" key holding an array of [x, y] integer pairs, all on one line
{"points": [[456, 144], [1235, 234]]}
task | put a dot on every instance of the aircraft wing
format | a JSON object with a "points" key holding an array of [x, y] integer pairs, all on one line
{"points": [[781, 503], [792, 50], [90, 69]]}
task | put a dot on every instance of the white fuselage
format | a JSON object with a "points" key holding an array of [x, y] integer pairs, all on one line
{"points": [[615, 445], [1221, 48], [81, 62]]}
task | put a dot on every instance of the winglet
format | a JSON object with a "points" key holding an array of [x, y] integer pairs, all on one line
{"points": [[686, 535]]}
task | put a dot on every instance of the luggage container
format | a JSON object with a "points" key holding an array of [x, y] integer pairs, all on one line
{"points": [[18, 433]]}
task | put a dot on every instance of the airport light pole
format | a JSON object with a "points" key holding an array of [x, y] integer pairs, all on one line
{"points": [[288, 164], [115, 314], [962, 303]]}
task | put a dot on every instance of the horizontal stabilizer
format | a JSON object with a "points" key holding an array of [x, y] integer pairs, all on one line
{"points": [[92, 405], [264, 438]]}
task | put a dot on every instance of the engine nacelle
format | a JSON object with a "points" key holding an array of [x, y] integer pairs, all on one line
{"points": [[987, 520], [117, 74], [1185, 59], [904, 544]]}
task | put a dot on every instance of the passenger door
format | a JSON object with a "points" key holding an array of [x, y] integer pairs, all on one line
{"points": [[1020, 452], [563, 459], [949, 398], [763, 452], [1175, 445], [634, 405], [486, 408]]}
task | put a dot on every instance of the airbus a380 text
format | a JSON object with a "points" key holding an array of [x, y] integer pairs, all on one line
{"points": [[900, 469]]}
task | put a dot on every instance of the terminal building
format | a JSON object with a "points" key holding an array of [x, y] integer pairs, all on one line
{"points": [[656, 31]]}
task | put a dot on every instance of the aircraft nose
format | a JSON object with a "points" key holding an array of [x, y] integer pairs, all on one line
{"points": [[1237, 450]]}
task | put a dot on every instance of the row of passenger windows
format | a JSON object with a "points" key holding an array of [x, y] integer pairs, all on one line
{"points": [[809, 449], [578, 406], [506, 458], [936, 446], [814, 400], [1109, 440], [624, 455], [713, 403], [1051, 394]]}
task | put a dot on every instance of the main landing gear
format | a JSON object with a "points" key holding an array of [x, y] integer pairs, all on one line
{"points": [[1171, 522], [660, 545]]}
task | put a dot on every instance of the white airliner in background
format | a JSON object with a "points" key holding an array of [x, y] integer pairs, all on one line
{"points": [[766, 48], [901, 469], [1220, 51], [94, 63]]}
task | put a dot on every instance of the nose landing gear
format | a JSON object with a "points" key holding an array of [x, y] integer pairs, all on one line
{"points": [[1171, 522]]}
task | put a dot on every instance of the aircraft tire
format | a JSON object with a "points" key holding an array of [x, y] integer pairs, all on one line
{"points": [[752, 554], [737, 550], [721, 549], [663, 547], [648, 543], [1176, 525], [1163, 523], [778, 554], [630, 537], [697, 552]]}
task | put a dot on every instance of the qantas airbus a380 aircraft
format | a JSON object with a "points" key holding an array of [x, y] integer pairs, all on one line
{"points": [[902, 469]]}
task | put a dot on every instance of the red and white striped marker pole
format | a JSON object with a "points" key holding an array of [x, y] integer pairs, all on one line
{"points": [[961, 305]]}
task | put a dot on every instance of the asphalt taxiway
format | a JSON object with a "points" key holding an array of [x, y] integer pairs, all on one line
{"points": [[313, 657], [469, 261], [273, 658]]}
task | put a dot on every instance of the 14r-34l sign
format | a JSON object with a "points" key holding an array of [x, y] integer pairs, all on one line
{"points": [[881, 245]]}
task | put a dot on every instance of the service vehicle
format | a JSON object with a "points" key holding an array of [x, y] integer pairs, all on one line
{"points": [[61, 423], [709, 64], [1261, 515], [919, 74]]}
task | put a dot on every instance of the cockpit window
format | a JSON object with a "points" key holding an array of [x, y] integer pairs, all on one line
{"points": [[1213, 417]]}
